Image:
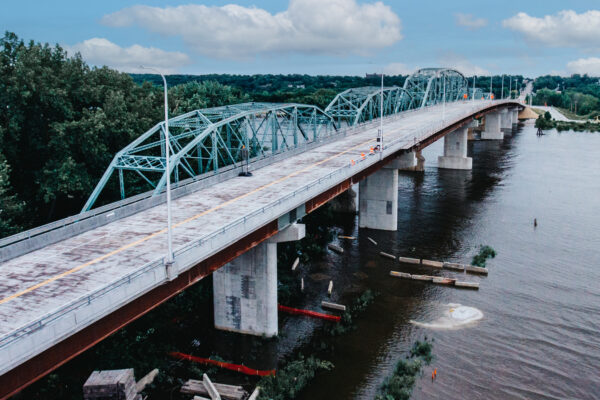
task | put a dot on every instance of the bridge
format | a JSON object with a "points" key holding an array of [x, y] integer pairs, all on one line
{"points": [[70, 284]]}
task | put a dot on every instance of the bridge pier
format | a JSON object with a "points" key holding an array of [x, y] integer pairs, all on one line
{"points": [[515, 117], [506, 121], [455, 151], [492, 127], [245, 290], [378, 198], [411, 161]]}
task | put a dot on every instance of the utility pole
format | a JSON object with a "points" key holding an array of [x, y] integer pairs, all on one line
{"points": [[168, 170], [502, 90], [510, 88]]}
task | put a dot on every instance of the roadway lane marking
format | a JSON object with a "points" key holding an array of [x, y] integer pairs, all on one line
{"points": [[185, 221]]}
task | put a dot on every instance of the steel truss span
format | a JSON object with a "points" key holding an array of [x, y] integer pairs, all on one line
{"points": [[203, 141], [357, 105], [429, 86]]}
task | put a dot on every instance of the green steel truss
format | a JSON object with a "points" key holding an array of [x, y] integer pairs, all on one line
{"points": [[362, 104], [428, 86], [203, 141]]}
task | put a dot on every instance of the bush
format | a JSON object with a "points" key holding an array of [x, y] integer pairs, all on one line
{"points": [[485, 252]]}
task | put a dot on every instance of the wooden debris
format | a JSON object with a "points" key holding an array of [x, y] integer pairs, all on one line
{"points": [[255, 393], [383, 254], [333, 306], [408, 260], [433, 264], [454, 266], [476, 270], [346, 237], [372, 241], [302, 285], [400, 274], [146, 380], [113, 384], [330, 288], [467, 285], [440, 280], [227, 392], [335, 248], [210, 388], [427, 278], [200, 398], [295, 264]]}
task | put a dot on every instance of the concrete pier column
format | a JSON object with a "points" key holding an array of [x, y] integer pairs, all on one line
{"points": [[506, 123], [455, 151], [515, 116], [378, 199], [245, 290], [492, 127], [411, 161]]}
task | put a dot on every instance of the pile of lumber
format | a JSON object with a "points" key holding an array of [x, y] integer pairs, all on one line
{"points": [[111, 385], [227, 392]]}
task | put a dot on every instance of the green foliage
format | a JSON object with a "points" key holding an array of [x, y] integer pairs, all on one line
{"points": [[485, 252], [547, 116], [358, 306], [578, 93], [292, 378], [10, 207], [399, 385]]}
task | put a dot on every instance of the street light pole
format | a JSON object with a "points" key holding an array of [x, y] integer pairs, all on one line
{"points": [[381, 120], [491, 78], [473, 97], [502, 90], [168, 170], [510, 88], [444, 101]]}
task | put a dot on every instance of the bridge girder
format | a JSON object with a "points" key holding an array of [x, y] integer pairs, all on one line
{"points": [[357, 105], [429, 86], [205, 140]]}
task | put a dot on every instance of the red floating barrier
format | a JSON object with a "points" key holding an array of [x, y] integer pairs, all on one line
{"points": [[314, 314], [233, 367]]}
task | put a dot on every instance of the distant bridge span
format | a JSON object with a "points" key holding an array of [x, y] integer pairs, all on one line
{"points": [[70, 284]]}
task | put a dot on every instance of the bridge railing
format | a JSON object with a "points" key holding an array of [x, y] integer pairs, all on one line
{"points": [[153, 273]]}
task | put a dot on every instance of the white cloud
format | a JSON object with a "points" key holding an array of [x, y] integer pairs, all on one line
{"points": [[99, 51], [398, 69], [461, 64], [469, 21], [335, 27], [565, 29], [590, 66]]}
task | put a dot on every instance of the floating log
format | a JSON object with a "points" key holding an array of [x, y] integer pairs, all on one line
{"points": [[308, 313], [433, 264], [333, 306], [330, 288], [427, 278], [476, 270], [227, 392], [440, 280], [146, 380], [255, 394], [302, 285], [335, 248], [408, 260], [467, 285], [400, 274], [210, 388], [200, 398], [111, 384], [383, 254], [372, 241], [295, 264], [454, 266], [346, 237]]}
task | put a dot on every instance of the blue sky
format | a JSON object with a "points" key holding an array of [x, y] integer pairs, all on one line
{"points": [[347, 37]]}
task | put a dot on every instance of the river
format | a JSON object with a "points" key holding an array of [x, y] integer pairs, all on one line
{"points": [[540, 334]]}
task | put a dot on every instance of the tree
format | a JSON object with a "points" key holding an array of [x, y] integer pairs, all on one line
{"points": [[10, 207]]}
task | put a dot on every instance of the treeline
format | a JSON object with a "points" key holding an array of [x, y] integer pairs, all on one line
{"points": [[61, 123], [579, 94]]}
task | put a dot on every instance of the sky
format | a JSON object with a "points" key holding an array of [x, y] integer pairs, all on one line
{"points": [[319, 37]]}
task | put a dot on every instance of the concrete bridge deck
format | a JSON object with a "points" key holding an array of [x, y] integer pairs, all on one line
{"points": [[50, 294]]}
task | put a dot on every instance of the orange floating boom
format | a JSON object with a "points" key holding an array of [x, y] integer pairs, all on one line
{"points": [[314, 314], [233, 367]]}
